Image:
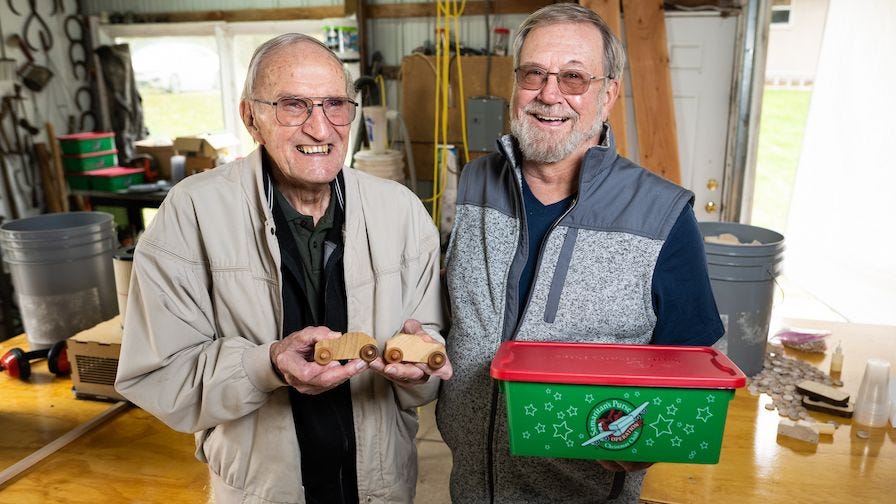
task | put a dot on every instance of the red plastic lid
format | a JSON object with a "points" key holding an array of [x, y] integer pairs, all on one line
{"points": [[113, 171], [87, 135], [90, 154], [502, 30], [626, 365]]}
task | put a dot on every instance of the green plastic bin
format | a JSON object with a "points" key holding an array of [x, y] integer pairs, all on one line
{"points": [[87, 142], [116, 178], [91, 161], [643, 403]]}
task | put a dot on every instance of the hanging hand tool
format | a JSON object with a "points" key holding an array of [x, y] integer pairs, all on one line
{"points": [[34, 76]]}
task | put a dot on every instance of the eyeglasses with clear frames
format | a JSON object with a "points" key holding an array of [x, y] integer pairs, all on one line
{"points": [[295, 110], [571, 82]]}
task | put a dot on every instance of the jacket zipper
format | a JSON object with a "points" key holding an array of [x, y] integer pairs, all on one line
{"points": [[490, 462]]}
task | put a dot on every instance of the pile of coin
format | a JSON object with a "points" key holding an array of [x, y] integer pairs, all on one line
{"points": [[778, 379]]}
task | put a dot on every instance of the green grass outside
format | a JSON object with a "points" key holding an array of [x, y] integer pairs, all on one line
{"points": [[180, 114], [781, 128]]}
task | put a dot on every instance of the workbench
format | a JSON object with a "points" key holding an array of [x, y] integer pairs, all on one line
{"points": [[758, 466]]}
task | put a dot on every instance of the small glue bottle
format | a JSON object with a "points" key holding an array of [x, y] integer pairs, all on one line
{"points": [[837, 360]]}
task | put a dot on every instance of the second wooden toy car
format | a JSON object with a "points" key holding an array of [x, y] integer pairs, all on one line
{"points": [[410, 348], [351, 345]]}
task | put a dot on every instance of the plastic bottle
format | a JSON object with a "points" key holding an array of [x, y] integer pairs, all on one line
{"points": [[837, 360], [501, 36]]}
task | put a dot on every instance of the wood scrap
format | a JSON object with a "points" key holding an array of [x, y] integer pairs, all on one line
{"points": [[823, 407], [799, 430], [57, 169], [823, 393]]}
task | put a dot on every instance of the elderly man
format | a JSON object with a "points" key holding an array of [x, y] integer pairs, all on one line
{"points": [[557, 238], [247, 266]]}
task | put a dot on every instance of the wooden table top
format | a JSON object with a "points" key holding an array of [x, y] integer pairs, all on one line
{"points": [[132, 457], [758, 466]]}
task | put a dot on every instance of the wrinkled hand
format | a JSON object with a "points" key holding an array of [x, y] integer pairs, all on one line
{"points": [[408, 374], [293, 358], [621, 465]]}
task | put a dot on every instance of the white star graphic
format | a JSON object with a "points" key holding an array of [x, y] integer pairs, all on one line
{"points": [[562, 431], [676, 441], [572, 411], [569, 443], [704, 445], [692, 455], [710, 398], [678, 400], [657, 401], [547, 447], [703, 414], [671, 409], [531, 409], [625, 395], [548, 406], [689, 429], [649, 442], [539, 429], [589, 398], [637, 393], [667, 429], [547, 391], [561, 415], [526, 435], [558, 396], [634, 450]]}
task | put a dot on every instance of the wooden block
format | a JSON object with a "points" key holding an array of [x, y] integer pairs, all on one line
{"points": [[799, 430], [411, 348], [824, 428], [844, 411], [351, 345], [823, 393]]}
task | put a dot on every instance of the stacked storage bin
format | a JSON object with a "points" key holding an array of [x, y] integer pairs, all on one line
{"points": [[90, 161]]}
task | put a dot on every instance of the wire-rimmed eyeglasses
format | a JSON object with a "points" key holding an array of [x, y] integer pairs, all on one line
{"points": [[295, 110], [571, 82]]}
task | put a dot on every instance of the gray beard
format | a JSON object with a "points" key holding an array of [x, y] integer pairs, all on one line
{"points": [[539, 147]]}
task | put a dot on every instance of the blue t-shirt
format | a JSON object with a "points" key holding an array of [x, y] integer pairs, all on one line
{"points": [[682, 296]]}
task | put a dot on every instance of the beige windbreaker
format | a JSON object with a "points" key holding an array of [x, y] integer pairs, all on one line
{"points": [[205, 305]]}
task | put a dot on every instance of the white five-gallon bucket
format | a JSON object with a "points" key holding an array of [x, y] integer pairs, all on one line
{"points": [[742, 277], [388, 165], [61, 269]]}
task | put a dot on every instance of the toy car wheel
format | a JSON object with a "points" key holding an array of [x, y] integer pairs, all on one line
{"points": [[436, 360], [394, 355], [323, 356], [368, 353]]}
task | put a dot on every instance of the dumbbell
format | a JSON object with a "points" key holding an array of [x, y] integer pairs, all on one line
{"points": [[18, 363]]}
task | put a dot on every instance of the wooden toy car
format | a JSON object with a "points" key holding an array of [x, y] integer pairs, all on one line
{"points": [[350, 345], [411, 348]]}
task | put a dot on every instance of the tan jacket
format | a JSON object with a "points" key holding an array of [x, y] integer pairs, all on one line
{"points": [[205, 305]]}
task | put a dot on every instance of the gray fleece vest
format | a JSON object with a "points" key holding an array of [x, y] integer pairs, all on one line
{"points": [[592, 283]]}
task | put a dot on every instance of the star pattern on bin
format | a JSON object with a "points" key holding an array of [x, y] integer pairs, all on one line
{"points": [[562, 431], [688, 429], [558, 396], [531, 409], [703, 414], [667, 428], [692, 455], [526, 435], [657, 401], [626, 395], [561, 415], [710, 398], [548, 406], [704, 445], [589, 398], [540, 428], [572, 411], [671, 409], [676, 441], [547, 391], [569, 443], [649, 442]]}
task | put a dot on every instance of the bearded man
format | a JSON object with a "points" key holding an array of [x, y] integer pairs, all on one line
{"points": [[558, 238]]}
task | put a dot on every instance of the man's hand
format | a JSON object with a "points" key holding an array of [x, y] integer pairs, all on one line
{"points": [[292, 357], [408, 374], [621, 465]]}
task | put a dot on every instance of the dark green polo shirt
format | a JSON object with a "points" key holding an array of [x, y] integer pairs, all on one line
{"points": [[310, 244]]}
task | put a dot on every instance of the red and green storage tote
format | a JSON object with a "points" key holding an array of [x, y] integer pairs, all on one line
{"points": [[115, 178], [86, 142], [90, 161], [641, 403]]}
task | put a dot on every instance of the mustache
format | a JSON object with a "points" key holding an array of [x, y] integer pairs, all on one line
{"points": [[543, 109]]}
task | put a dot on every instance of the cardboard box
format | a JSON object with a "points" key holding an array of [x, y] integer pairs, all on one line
{"points": [[94, 355], [418, 84], [161, 151], [196, 164], [647, 403], [206, 144]]}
